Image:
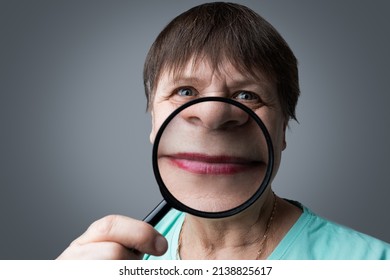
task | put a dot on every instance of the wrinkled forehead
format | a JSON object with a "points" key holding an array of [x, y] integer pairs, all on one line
{"points": [[196, 69], [202, 67]]}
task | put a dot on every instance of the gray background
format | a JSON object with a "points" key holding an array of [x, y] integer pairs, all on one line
{"points": [[74, 143]]}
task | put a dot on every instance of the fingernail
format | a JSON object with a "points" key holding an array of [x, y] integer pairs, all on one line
{"points": [[160, 244]]}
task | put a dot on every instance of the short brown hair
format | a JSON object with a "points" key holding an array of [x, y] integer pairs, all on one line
{"points": [[218, 31]]}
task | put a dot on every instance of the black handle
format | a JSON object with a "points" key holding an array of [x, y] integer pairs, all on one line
{"points": [[157, 213]]}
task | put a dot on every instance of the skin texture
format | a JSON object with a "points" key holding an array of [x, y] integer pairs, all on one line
{"points": [[204, 81], [228, 237], [212, 161], [119, 237]]}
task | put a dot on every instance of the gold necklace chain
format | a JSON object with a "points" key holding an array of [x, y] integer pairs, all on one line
{"points": [[269, 223], [263, 239]]}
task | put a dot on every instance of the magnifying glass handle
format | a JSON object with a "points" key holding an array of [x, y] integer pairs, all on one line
{"points": [[157, 213]]}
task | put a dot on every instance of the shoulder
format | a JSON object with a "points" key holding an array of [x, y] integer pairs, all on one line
{"points": [[342, 242], [314, 237]]}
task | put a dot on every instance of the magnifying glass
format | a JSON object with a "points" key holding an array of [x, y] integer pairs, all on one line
{"points": [[212, 158]]}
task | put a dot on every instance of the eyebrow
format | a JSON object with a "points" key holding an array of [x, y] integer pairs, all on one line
{"points": [[180, 80], [244, 81], [186, 80]]}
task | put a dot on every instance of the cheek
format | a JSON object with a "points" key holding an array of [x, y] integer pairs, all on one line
{"points": [[276, 128], [155, 126], [279, 146], [280, 139], [159, 115]]}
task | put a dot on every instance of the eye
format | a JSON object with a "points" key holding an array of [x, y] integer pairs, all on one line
{"points": [[246, 96], [185, 92]]}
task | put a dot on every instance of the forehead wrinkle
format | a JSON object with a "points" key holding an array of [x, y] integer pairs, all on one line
{"points": [[201, 73], [191, 73]]}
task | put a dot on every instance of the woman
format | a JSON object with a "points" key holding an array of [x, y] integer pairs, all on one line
{"points": [[225, 50]]}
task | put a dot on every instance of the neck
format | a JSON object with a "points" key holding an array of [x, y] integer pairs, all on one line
{"points": [[238, 237]]}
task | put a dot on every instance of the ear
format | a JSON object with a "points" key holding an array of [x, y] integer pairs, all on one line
{"points": [[284, 145], [152, 135]]}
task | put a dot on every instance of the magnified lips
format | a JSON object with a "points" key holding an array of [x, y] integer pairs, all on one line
{"points": [[212, 165]]}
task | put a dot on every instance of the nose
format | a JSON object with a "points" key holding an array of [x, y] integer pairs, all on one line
{"points": [[215, 115]]}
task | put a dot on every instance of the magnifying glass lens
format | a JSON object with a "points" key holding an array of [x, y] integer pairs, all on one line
{"points": [[212, 158]]}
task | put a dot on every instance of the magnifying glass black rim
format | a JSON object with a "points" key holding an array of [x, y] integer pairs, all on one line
{"points": [[221, 214]]}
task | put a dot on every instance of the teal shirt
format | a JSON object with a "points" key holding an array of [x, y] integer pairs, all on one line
{"points": [[310, 238]]}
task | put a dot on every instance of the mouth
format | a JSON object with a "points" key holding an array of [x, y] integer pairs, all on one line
{"points": [[212, 165]]}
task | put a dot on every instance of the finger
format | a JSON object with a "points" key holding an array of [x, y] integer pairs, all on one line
{"points": [[126, 231], [99, 251]]}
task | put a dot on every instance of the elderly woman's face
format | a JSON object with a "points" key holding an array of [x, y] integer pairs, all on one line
{"points": [[210, 167]]}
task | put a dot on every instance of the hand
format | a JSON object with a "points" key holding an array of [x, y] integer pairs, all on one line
{"points": [[116, 237]]}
